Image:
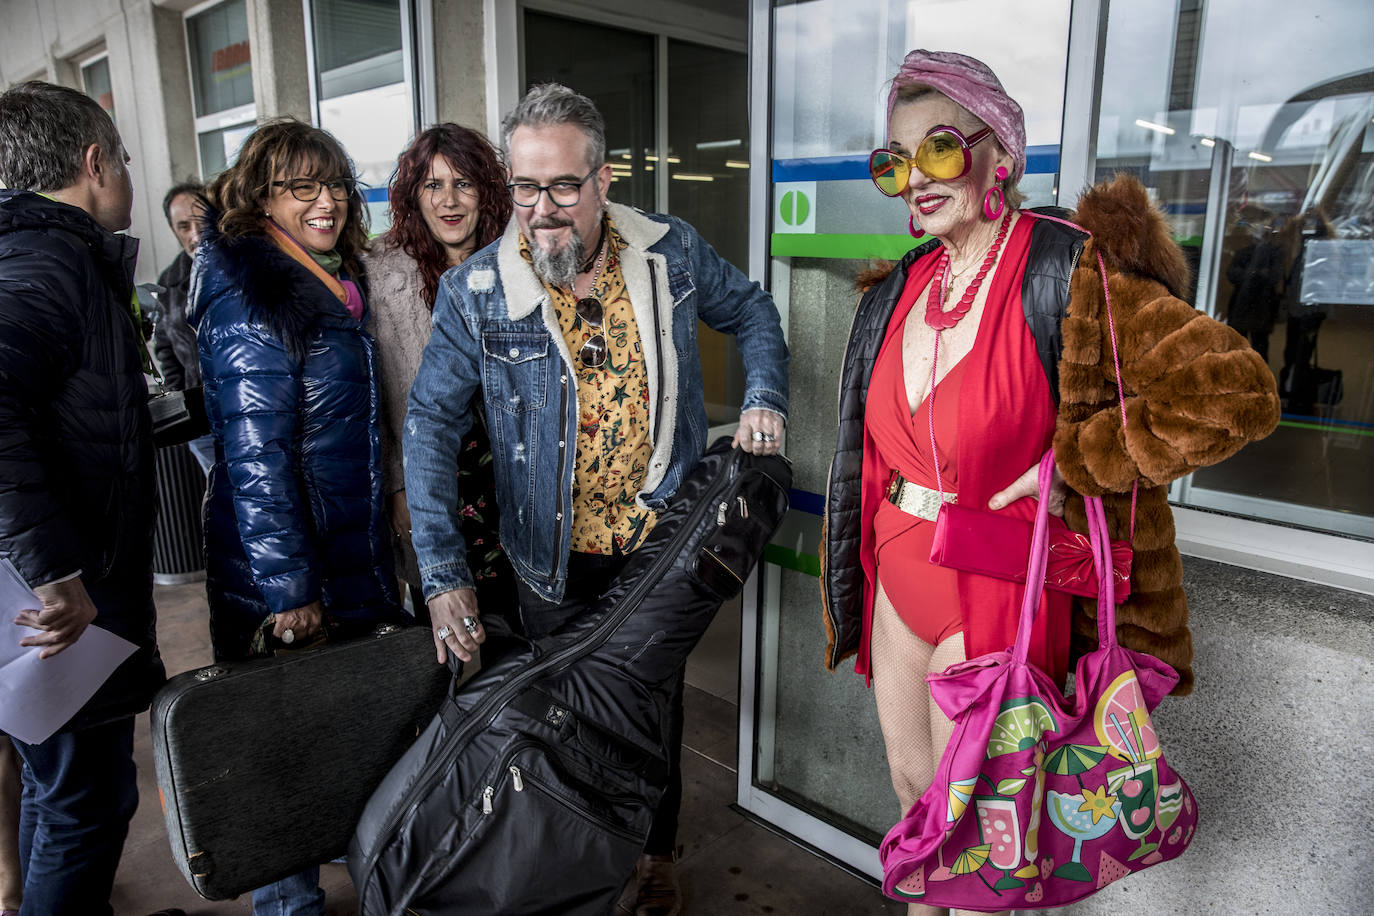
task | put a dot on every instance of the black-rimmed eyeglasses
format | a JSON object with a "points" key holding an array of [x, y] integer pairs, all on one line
{"points": [[307, 189], [562, 193]]}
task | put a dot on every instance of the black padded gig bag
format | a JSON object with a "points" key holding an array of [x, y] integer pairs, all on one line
{"points": [[533, 789]]}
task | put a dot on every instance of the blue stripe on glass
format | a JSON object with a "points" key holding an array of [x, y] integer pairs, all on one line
{"points": [[1040, 160], [806, 501], [375, 195]]}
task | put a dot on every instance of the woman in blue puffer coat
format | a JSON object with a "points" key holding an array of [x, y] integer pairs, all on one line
{"points": [[295, 534]]}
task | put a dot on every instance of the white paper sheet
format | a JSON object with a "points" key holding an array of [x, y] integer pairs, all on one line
{"points": [[37, 697]]}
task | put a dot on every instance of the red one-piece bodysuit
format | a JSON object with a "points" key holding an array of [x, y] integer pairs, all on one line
{"points": [[993, 417]]}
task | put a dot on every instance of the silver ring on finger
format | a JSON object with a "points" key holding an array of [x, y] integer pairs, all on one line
{"points": [[759, 436], [444, 632], [470, 624]]}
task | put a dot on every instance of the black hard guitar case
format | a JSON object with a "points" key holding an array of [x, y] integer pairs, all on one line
{"points": [[264, 766], [533, 789]]}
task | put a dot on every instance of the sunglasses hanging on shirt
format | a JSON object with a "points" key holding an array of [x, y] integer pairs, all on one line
{"points": [[593, 352]]}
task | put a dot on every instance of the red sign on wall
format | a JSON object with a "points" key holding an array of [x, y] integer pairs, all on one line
{"points": [[234, 55]]}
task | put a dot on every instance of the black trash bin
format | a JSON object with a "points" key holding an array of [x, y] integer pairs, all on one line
{"points": [[177, 552]]}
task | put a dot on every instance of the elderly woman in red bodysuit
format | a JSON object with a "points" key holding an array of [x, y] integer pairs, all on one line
{"points": [[948, 393]]}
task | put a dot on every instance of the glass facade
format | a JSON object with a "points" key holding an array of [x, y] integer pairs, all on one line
{"points": [[221, 59], [364, 88], [1267, 176]]}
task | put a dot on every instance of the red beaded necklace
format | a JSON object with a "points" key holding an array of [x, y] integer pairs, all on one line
{"points": [[942, 320]]}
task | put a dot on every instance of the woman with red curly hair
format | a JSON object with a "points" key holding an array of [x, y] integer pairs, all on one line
{"points": [[448, 200]]}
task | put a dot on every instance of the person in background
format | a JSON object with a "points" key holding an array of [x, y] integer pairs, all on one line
{"points": [[448, 199], [954, 319], [76, 475], [582, 318], [174, 340], [295, 531]]}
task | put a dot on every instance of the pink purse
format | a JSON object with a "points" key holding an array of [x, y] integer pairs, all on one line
{"points": [[1041, 800], [999, 546], [971, 540]]}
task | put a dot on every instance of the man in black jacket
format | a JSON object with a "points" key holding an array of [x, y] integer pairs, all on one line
{"points": [[174, 340], [76, 481]]}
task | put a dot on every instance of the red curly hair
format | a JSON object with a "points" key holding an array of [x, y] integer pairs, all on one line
{"points": [[467, 152]]}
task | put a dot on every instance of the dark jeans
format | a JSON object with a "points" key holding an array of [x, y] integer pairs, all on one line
{"points": [[80, 790], [589, 575]]}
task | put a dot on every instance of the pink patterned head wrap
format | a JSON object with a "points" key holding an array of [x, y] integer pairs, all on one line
{"points": [[971, 84]]}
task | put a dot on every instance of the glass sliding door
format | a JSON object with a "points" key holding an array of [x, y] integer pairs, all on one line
{"points": [[619, 78], [677, 139], [1267, 176], [817, 767]]}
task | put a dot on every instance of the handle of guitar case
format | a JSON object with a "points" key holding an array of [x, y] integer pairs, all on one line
{"points": [[498, 629]]}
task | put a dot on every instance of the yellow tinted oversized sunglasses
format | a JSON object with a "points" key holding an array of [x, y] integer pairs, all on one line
{"points": [[944, 155]]}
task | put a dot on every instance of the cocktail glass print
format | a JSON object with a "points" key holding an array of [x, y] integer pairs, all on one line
{"points": [[1136, 788], [1168, 806], [1066, 814], [1000, 830]]}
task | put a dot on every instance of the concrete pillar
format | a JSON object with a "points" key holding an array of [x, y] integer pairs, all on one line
{"points": [[460, 63], [152, 92], [281, 72]]}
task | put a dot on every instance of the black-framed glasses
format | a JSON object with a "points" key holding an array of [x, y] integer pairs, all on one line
{"points": [[593, 352], [945, 154], [307, 189], [562, 193]]}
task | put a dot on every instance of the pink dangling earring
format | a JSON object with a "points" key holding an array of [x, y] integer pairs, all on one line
{"points": [[914, 229], [997, 190]]}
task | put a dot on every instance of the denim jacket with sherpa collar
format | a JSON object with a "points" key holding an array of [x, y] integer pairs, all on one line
{"points": [[496, 337]]}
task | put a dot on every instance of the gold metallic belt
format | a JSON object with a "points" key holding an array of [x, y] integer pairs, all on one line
{"points": [[914, 499]]}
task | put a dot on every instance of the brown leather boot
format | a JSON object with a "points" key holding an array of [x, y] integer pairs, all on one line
{"points": [[659, 894]]}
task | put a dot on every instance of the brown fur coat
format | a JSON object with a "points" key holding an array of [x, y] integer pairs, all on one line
{"points": [[1195, 393]]}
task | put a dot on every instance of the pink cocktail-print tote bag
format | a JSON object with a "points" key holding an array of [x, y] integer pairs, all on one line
{"points": [[1039, 799]]}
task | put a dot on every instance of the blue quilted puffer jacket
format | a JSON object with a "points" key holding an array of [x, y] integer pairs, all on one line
{"points": [[294, 508]]}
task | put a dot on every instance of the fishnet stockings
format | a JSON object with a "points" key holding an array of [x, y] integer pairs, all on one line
{"points": [[915, 730]]}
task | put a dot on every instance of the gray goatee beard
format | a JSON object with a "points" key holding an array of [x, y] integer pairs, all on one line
{"points": [[559, 268]]}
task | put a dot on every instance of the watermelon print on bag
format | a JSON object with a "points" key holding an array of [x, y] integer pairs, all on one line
{"points": [[1042, 800]]}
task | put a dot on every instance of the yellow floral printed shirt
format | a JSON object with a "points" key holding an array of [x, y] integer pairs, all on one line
{"points": [[613, 431]]}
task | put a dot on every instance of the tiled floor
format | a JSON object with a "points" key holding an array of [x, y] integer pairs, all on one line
{"points": [[730, 864]]}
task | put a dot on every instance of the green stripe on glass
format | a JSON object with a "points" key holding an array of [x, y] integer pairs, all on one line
{"points": [[799, 245], [804, 563]]}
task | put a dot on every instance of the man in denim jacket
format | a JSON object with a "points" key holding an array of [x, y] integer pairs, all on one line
{"points": [[578, 328]]}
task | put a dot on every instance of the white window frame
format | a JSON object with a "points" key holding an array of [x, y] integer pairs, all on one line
{"points": [[83, 63], [229, 117]]}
